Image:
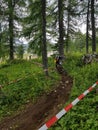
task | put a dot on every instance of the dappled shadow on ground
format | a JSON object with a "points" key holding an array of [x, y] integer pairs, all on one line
{"points": [[35, 115]]}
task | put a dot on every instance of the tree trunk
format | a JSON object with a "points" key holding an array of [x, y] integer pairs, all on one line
{"points": [[0, 40], [0, 33], [44, 44], [67, 37], [61, 29], [87, 28], [11, 26], [93, 27]]}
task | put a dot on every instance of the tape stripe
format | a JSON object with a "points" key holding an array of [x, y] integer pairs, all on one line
{"points": [[97, 82], [14, 81], [93, 86], [81, 96], [90, 89], [51, 121], [66, 109], [61, 113], [44, 127], [75, 101], [86, 92]]}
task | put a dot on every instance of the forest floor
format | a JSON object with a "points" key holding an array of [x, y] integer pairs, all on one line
{"points": [[34, 115]]}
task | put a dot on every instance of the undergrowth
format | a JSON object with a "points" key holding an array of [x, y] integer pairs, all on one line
{"points": [[83, 116], [33, 84]]}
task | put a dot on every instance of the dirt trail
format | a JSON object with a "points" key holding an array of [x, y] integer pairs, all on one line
{"points": [[35, 115]]}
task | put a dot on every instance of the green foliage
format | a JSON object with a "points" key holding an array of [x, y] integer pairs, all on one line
{"points": [[31, 86], [84, 115], [33, 21], [3, 78], [20, 51], [10, 25]]}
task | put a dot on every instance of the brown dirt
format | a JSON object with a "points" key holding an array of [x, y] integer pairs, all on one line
{"points": [[35, 115]]}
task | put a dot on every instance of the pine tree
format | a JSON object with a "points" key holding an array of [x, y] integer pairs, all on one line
{"points": [[44, 43], [12, 16], [93, 26], [35, 30], [87, 27], [61, 27]]}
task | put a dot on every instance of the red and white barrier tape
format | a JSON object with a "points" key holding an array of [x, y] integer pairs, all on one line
{"points": [[54, 119], [14, 81]]}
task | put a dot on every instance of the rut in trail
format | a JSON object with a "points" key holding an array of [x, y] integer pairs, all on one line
{"points": [[35, 115]]}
